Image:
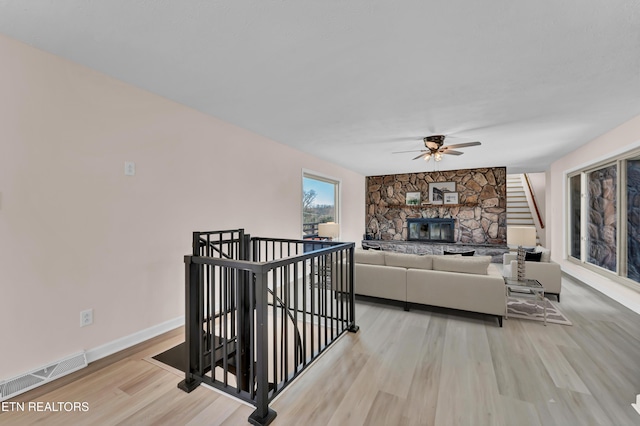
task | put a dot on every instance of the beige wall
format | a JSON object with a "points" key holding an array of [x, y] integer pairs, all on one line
{"points": [[75, 233], [614, 142]]}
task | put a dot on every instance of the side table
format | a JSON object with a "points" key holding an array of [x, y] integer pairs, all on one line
{"points": [[525, 288]]}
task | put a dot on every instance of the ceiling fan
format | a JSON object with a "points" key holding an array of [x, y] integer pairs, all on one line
{"points": [[435, 148]]}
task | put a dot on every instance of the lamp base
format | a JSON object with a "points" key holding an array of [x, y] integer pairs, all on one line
{"points": [[521, 265]]}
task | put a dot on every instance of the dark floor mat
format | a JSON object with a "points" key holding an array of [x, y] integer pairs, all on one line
{"points": [[176, 357]]}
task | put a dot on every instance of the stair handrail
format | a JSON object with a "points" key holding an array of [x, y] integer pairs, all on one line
{"points": [[533, 199]]}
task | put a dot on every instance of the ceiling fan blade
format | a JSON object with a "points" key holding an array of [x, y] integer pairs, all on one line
{"points": [[452, 152], [422, 155], [414, 150], [462, 145]]}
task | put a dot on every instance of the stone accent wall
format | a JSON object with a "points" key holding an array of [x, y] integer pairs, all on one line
{"points": [[481, 215]]}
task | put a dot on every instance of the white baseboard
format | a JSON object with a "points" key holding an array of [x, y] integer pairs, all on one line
{"points": [[132, 339]]}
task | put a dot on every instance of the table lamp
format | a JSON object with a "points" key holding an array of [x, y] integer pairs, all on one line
{"points": [[329, 230], [521, 236]]}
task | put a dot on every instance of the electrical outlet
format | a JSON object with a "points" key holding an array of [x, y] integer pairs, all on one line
{"points": [[86, 318]]}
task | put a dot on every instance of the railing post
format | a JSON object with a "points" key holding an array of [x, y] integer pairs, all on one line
{"points": [[245, 319], [263, 415], [191, 321], [353, 328]]}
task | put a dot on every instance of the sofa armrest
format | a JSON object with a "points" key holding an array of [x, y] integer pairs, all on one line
{"points": [[548, 273], [508, 257]]}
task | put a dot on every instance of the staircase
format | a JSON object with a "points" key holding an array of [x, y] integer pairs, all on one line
{"points": [[518, 212]]}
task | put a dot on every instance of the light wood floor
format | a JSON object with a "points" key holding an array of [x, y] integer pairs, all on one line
{"points": [[424, 367]]}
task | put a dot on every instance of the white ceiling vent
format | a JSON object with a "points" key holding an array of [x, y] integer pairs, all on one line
{"points": [[17, 385]]}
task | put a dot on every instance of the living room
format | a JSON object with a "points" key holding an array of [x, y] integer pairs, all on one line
{"points": [[78, 233]]}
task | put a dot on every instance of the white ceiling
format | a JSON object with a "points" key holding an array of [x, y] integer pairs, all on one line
{"points": [[353, 81]]}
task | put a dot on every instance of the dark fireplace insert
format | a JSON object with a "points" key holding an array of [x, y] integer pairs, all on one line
{"points": [[430, 229]]}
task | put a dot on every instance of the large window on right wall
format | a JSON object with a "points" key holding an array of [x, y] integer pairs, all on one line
{"points": [[603, 219]]}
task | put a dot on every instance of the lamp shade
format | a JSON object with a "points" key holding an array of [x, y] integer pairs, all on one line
{"points": [[521, 236], [329, 230]]}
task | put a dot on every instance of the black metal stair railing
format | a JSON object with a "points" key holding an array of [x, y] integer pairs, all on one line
{"points": [[258, 311]]}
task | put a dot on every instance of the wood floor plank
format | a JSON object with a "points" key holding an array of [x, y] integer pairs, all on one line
{"points": [[422, 399], [559, 368], [387, 409], [429, 366], [606, 389], [468, 391], [521, 413]]}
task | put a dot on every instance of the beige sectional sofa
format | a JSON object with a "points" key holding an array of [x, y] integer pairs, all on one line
{"points": [[466, 283]]}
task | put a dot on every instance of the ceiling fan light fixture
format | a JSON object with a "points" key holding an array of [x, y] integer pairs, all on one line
{"points": [[427, 157], [437, 156]]}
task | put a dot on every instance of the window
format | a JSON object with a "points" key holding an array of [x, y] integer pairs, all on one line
{"points": [[320, 202], [633, 219], [608, 222], [575, 197], [602, 220]]}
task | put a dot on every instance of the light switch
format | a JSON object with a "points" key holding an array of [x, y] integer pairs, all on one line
{"points": [[129, 168]]}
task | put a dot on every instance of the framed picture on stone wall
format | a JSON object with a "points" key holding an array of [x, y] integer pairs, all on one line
{"points": [[437, 190], [413, 198], [450, 198]]}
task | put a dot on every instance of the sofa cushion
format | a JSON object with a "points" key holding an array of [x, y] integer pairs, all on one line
{"points": [[370, 257], [462, 253], [467, 265], [532, 257], [546, 254], [405, 260]]}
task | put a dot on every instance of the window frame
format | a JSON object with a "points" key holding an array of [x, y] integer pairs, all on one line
{"points": [[620, 161], [337, 195]]}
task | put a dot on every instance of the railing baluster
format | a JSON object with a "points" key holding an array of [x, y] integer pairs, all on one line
{"points": [[304, 311], [274, 333], [285, 323], [311, 286]]}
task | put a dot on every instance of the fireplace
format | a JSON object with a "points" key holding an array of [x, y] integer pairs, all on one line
{"points": [[438, 230]]}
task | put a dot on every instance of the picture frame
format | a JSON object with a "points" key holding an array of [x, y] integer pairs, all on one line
{"points": [[412, 198], [450, 198], [438, 189]]}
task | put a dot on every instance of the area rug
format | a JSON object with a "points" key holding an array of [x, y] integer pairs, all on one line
{"points": [[527, 309]]}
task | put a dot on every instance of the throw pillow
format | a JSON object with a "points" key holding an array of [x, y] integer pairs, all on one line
{"points": [[546, 254], [532, 257], [463, 253]]}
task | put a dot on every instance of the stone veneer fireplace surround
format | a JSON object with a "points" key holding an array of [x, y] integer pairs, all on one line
{"points": [[480, 217]]}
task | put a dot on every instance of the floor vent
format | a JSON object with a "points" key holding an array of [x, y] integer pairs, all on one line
{"points": [[17, 385]]}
